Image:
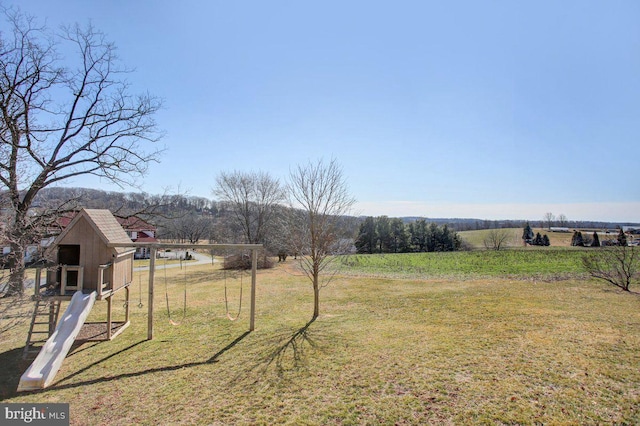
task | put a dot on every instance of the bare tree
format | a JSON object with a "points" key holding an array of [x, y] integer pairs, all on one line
{"points": [[497, 238], [190, 228], [549, 218], [320, 197], [61, 118], [617, 265], [252, 198], [562, 219]]}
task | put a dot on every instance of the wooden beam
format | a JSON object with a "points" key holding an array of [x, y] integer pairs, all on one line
{"points": [[109, 303], [187, 245], [152, 270], [254, 268]]}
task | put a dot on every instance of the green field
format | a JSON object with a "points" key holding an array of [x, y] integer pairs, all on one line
{"points": [[408, 346], [542, 262]]}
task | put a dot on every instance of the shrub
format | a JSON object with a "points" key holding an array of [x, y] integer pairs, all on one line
{"points": [[243, 262]]}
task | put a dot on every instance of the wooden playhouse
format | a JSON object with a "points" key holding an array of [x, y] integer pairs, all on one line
{"points": [[86, 261]]}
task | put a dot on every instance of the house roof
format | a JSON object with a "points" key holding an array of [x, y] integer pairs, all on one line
{"points": [[146, 240], [106, 226], [134, 223], [129, 223]]}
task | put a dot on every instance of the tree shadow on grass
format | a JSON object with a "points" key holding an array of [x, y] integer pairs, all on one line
{"points": [[290, 355], [292, 349], [12, 367], [15, 366]]}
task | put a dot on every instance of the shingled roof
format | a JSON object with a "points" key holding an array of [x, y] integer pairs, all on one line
{"points": [[106, 226]]}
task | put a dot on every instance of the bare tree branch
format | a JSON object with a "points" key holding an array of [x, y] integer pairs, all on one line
{"points": [[617, 265], [60, 121]]}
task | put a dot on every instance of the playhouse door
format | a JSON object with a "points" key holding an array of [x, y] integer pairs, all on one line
{"points": [[69, 254]]}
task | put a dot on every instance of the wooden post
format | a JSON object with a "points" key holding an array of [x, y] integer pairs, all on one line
{"points": [[36, 285], [127, 291], [63, 280], [152, 269], [109, 302], [100, 280], [254, 268]]}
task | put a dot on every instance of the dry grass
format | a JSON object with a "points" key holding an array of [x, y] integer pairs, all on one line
{"points": [[384, 351], [557, 239]]}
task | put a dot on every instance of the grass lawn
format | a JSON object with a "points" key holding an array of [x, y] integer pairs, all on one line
{"points": [[402, 348]]}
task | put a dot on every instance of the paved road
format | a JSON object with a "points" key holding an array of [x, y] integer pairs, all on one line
{"points": [[200, 260]]}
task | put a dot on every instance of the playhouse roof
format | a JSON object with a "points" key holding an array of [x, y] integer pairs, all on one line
{"points": [[106, 226]]}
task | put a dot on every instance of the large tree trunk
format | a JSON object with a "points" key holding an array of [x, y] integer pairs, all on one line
{"points": [[17, 269]]}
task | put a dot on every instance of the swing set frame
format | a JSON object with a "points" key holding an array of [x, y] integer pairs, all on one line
{"points": [[154, 247]]}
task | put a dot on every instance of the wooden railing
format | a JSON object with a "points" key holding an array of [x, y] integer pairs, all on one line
{"points": [[102, 285], [63, 278]]}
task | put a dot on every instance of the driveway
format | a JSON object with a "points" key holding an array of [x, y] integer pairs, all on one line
{"points": [[200, 259]]}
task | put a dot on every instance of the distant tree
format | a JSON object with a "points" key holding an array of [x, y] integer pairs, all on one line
{"points": [[252, 198], [383, 230], [367, 237], [548, 219], [497, 238], [537, 241], [399, 242], [320, 192], [191, 228], [596, 240], [65, 112], [418, 231], [434, 235], [617, 265], [622, 238], [527, 234], [449, 240], [545, 241], [576, 239], [562, 219]]}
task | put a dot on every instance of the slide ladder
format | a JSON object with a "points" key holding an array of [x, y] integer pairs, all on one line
{"points": [[44, 368], [43, 323]]}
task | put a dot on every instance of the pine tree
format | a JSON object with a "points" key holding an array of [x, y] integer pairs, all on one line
{"points": [[527, 234], [538, 240], [367, 237], [596, 240], [545, 241], [418, 231], [622, 238]]}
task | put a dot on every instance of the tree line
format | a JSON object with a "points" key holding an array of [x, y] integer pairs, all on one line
{"points": [[392, 235], [584, 240]]}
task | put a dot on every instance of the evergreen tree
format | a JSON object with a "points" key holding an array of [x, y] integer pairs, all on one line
{"points": [[418, 231], [527, 234], [538, 240], [596, 240], [399, 241], [433, 236], [574, 239], [367, 237], [622, 238], [545, 241], [383, 229], [579, 240], [447, 240]]}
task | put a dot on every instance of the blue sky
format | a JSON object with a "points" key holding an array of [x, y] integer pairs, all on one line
{"points": [[483, 109]]}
